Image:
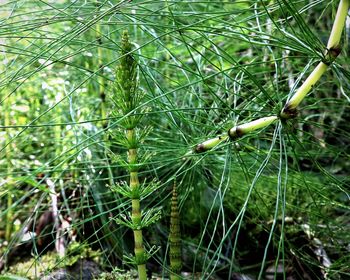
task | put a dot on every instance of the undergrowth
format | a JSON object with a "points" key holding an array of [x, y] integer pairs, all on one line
{"points": [[264, 201]]}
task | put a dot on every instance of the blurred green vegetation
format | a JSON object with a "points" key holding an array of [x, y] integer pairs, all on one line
{"points": [[275, 198]]}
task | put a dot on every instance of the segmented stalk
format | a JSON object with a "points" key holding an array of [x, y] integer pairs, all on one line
{"points": [[332, 51], [290, 108], [134, 185], [126, 99], [236, 132], [175, 238]]}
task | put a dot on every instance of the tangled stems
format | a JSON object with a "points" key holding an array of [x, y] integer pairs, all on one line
{"points": [[289, 110]]}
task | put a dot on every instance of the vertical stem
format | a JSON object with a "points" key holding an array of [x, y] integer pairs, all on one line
{"points": [[101, 82], [135, 205], [126, 99], [175, 239], [139, 254], [8, 149]]}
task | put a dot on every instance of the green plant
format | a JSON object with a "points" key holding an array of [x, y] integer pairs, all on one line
{"points": [[272, 202], [127, 102], [333, 49], [175, 238]]}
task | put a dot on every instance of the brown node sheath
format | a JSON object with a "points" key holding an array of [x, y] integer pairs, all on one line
{"points": [[331, 55], [288, 112], [334, 51], [235, 133], [200, 148]]}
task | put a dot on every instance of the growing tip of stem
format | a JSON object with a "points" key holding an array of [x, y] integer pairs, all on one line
{"points": [[209, 144]]}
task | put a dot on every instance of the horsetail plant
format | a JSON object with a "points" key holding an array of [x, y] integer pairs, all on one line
{"points": [[127, 100], [332, 51], [175, 238], [289, 110]]}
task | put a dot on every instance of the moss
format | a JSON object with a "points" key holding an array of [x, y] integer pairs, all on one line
{"points": [[11, 277], [32, 268], [118, 275]]}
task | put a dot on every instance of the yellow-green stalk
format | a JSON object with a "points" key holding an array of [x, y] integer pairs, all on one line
{"points": [[136, 218], [175, 238], [235, 132], [127, 99], [243, 129], [209, 144], [289, 110], [332, 51], [339, 21]]}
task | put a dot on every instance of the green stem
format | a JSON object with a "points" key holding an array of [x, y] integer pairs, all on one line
{"points": [[8, 152], [332, 51], [209, 144], [140, 254], [240, 130], [235, 132], [135, 206], [175, 238], [293, 103], [338, 26], [127, 98], [289, 110]]}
